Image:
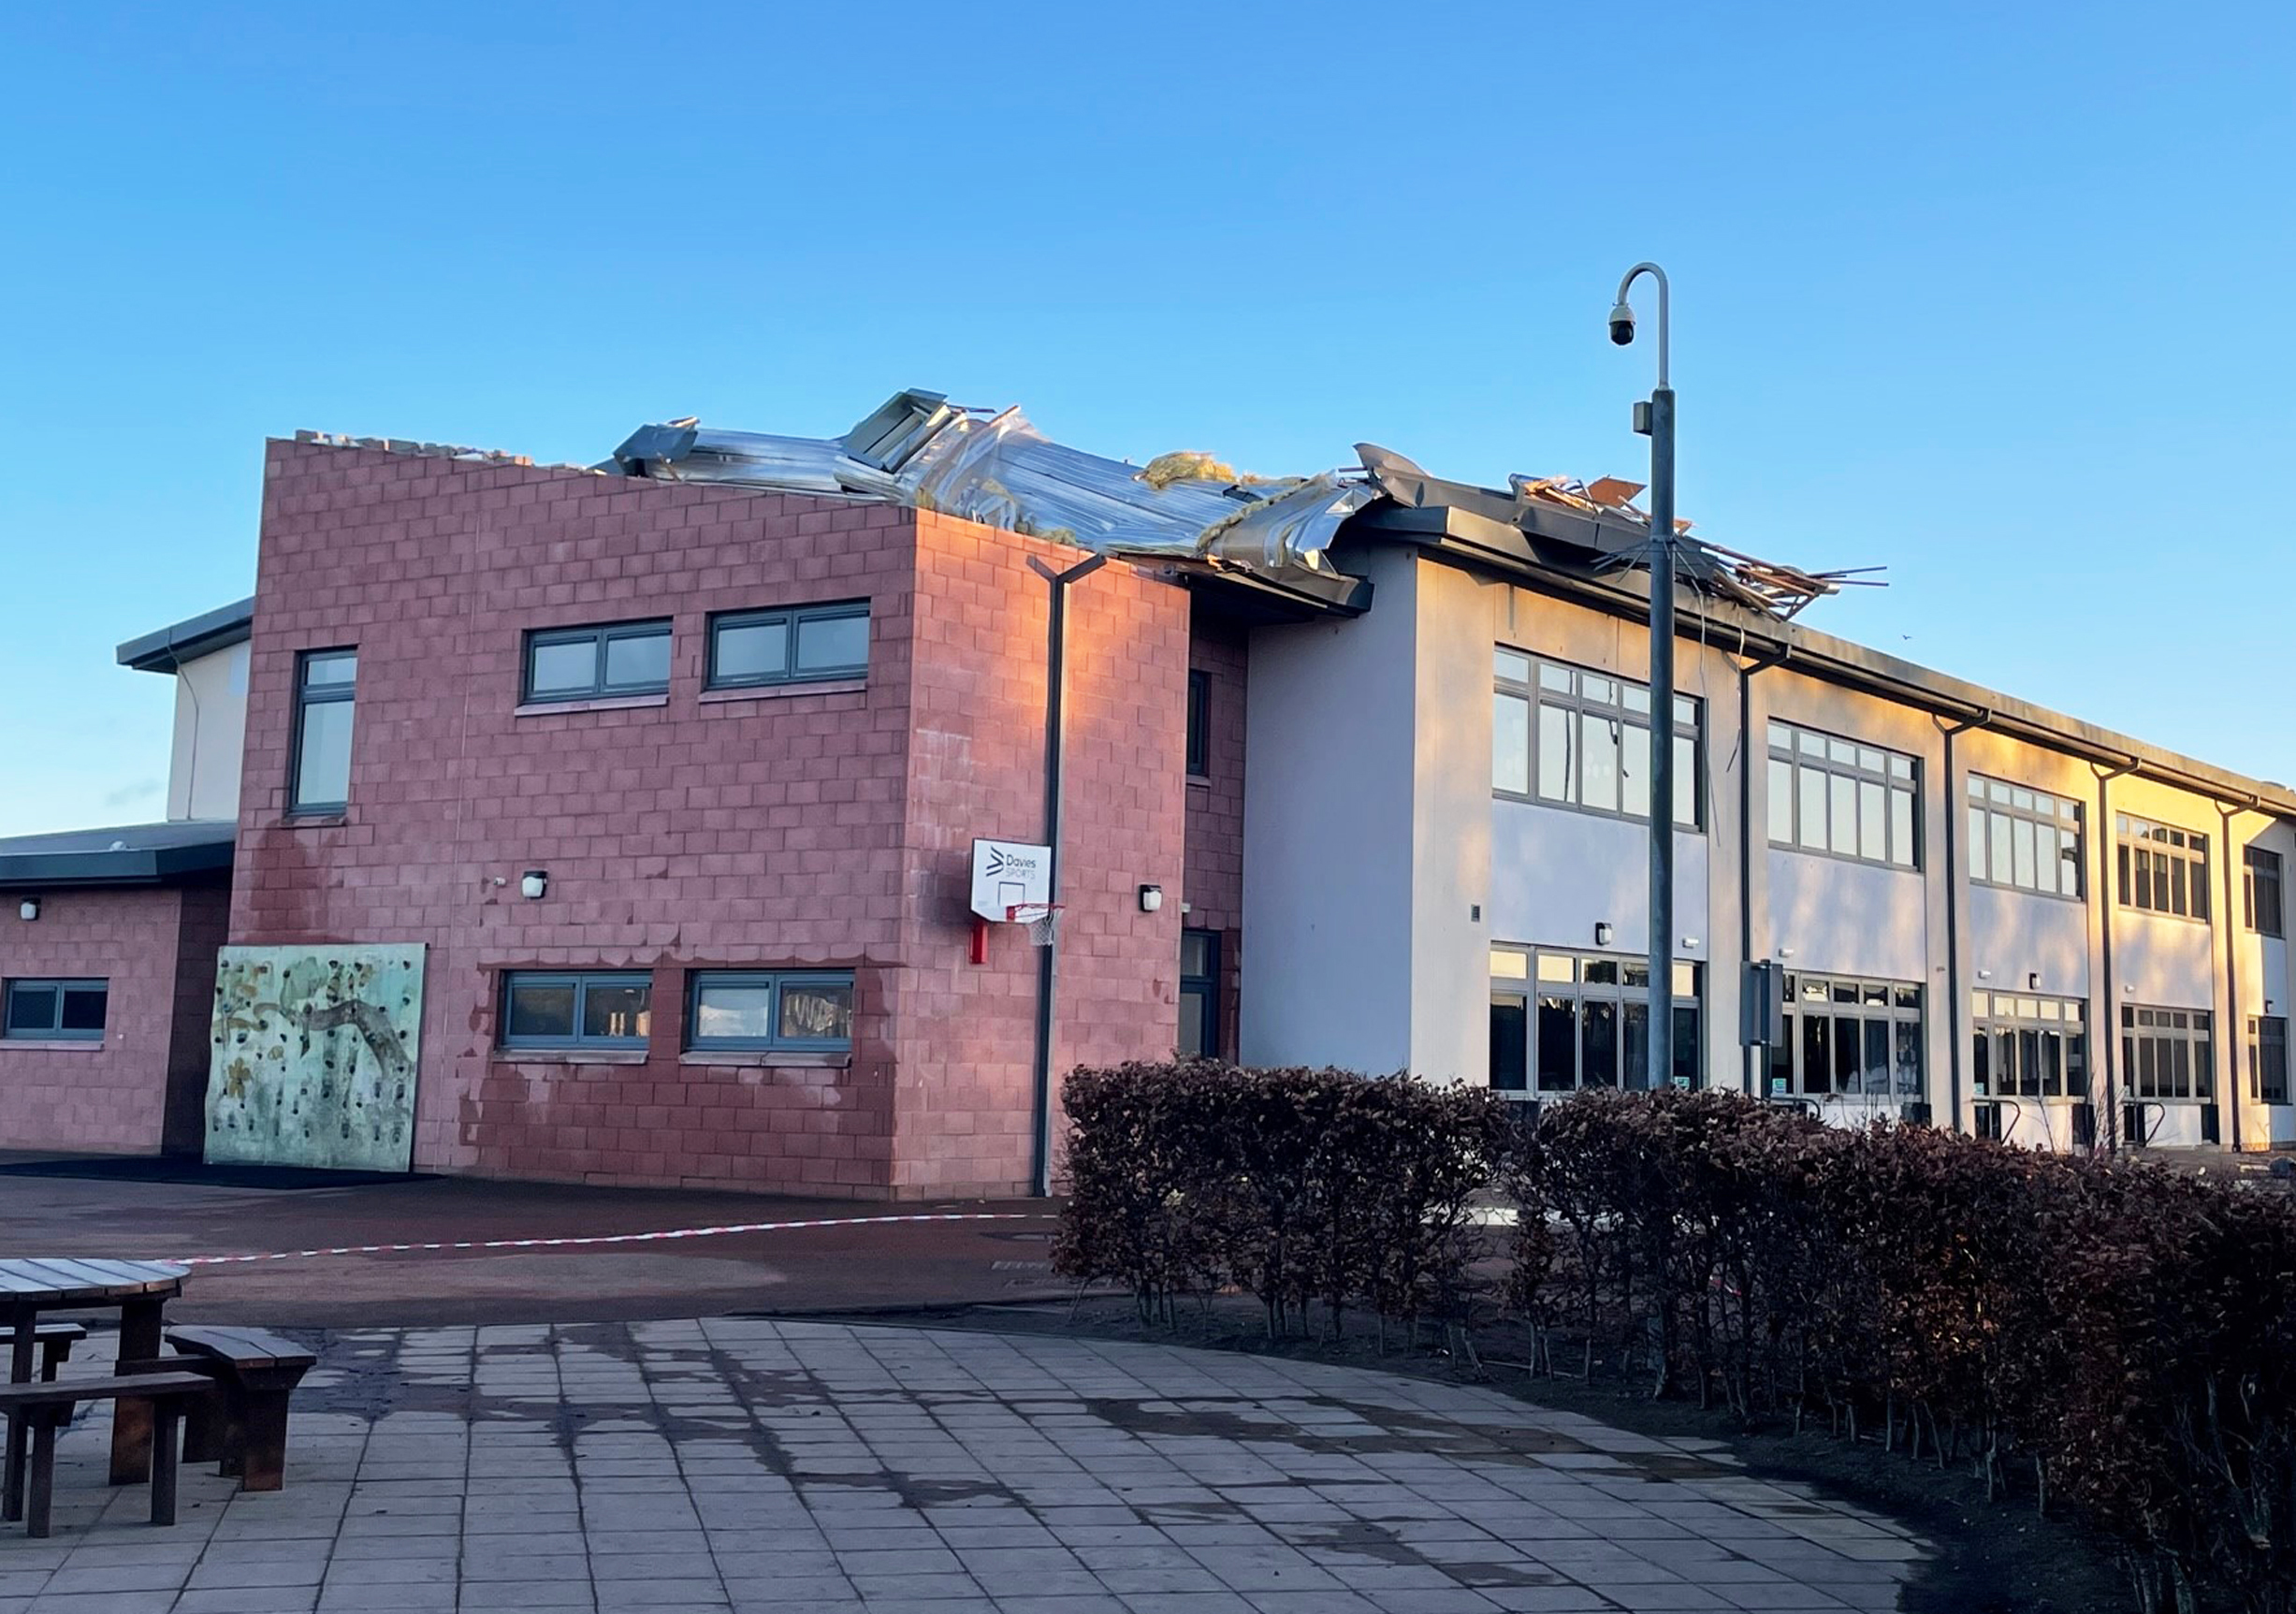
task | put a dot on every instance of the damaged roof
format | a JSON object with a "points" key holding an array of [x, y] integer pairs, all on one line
{"points": [[994, 467]]}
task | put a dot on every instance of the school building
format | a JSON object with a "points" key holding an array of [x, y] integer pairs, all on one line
{"points": [[616, 825]]}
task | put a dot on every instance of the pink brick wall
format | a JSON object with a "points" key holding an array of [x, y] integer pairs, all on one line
{"points": [[113, 1096], [966, 1102], [1215, 809], [694, 832]]}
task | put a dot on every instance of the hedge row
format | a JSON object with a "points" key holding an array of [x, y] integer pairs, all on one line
{"points": [[2116, 1338], [1303, 1187], [2119, 1337]]}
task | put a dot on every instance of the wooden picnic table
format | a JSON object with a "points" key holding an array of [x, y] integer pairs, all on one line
{"points": [[140, 1290]]}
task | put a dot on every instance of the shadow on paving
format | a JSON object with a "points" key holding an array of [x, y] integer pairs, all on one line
{"points": [[759, 1466]]}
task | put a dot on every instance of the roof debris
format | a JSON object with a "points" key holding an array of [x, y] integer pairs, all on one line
{"points": [[995, 468]]}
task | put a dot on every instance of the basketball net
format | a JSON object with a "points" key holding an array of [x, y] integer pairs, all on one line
{"points": [[1043, 919]]}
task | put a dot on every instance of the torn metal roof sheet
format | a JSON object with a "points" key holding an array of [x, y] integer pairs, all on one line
{"points": [[995, 468]]}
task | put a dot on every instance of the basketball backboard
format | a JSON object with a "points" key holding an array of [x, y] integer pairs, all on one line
{"points": [[1006, 873]]}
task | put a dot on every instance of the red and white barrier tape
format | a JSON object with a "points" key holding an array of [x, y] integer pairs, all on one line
{"points": [[570, 1242]]}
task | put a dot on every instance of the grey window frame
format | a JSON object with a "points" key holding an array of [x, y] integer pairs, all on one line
{"points": [[1786, 1056], [581, 981], [1199, 994], [1897, 774], [1199, 724], [306, 697], [2166, 846], [55, 1030], [1577, 700], [2012, 803], [600, 635], [2192, 1029], [2267, 1081], [793, 618], [1996, 1015], [1629, 985], [776, 1042], [2264, 918]]}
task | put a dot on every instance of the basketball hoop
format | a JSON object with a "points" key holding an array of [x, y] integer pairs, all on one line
{"points": [[1043, 919]]}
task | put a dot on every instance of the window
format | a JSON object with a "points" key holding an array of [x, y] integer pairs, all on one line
{"points": [[605, 1009], [796, 645], [1589, 736], [2024, 839], [1562, 1021], [2260, 888], [2165, 1054], [2028, 1047], [1200, 725], [588, 664], [1200, 994], [1842, 798], [797, 1012], [326, 682], [55, 1011], [2162, 870], [1846, 1036], [2268, 1058]]}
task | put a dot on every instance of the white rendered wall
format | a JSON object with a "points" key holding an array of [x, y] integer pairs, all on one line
{"points": [[1328, 835], [2015, 936], [1836, 917], [1555, 874], [210, 731], [1451, 846], [2165, 962]]}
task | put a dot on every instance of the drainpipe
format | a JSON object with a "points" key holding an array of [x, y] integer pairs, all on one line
{"points": [[1056, 750], [2235, 1033], [1749, 1077], [2109, 1032], [1956, 1003]]}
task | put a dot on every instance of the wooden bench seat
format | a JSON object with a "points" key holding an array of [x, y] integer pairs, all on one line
{"points": [[41, 1407], [55, 1341], [245, 1430]]}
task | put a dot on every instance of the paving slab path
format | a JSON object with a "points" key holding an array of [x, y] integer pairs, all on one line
{"points": [[769, 1467]]}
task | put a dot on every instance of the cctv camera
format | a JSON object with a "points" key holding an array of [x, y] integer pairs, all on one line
{"points": [[1622, 325]]}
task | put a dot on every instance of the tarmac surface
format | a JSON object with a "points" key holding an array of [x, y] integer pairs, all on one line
{"points": [[756, 1466], [509, 1252]]}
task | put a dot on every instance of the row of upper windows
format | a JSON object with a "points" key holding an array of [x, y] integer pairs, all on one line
{"points": [[747, 650], [1569, 736]]}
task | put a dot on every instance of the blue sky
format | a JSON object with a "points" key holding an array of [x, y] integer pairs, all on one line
{"points": [[1996, 296]]}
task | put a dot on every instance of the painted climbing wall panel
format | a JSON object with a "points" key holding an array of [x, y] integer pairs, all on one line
{"points": [[314, 1053]]}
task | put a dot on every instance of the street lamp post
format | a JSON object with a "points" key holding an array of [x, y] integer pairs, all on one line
{"points": [[1656, 420]]}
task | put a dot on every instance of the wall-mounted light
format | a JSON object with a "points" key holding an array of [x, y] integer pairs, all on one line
{"points": [[1602, 934], [2032, 980], [1691, 941], [1151, 898], [28, 910], [533, 884], [1785, 952], [1984, 975]]}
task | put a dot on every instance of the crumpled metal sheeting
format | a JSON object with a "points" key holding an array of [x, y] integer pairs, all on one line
{"points": [[999, 471]]}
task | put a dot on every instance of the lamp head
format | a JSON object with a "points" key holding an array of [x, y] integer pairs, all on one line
{"points": [[1622, 323]]}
